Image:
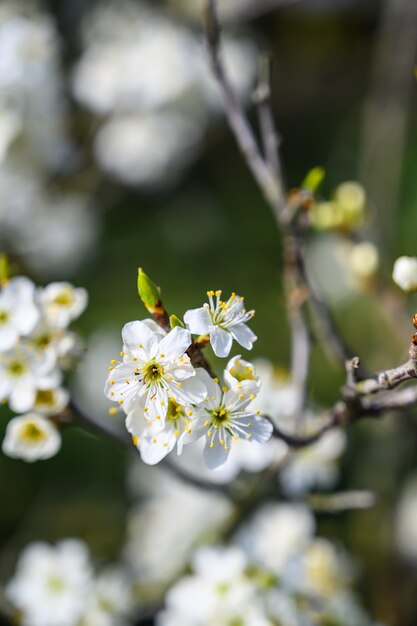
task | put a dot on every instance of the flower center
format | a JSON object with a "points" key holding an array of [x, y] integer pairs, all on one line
{"points": [[56, 584], [31, 433], [45, 397], [242, 373], [65, 298], [42, 341], [153, 372], [174, 411], [220, 416], [16, 368], [4, 317]]}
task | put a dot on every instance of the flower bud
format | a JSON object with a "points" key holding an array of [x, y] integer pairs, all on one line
{"points": [[364, 259], [148, 291], [351, 198], [175, 321], [404, 273], [314, 179], [4, 268]]}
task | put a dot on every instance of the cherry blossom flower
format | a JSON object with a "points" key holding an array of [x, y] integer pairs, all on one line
{"points": [[62, 303], [51, 583], [18, 311], [31, 437], [404, 273], [22, 375], [155, 443], [223, 321], [224, 418], [240, 374], [154, 369]]}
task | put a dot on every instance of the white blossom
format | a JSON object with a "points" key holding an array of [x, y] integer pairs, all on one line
{"points": [[22, 374], [110, 599], [51, 401], [154, 369], [224, 418], [223, 321], [31, 437], [61, 303], [221, 593], [241, 375], [51, 583], [315, 465], [155, 440], [18, 311], [178, 514], [404, 273], [277, 533]]}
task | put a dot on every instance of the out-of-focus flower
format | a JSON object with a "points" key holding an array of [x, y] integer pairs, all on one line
{"points": [[31, 437], [313, 466], [178, 514], [226, 418], [51, 401], [22, 375], [345, 211], [110, 599], [147, 149], [406, 521], [155, 369], [364, 259], [18, 311], [221, 592], [277, 396], [148, 76], [404, 273], [223, 321], [277, 533], [51, 583], [62, 303]]}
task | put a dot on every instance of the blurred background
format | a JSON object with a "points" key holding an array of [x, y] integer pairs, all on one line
{"points": [[114, 154]]}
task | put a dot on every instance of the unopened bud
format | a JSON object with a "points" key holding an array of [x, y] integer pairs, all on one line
{"points": [[314, 179], [4, 268], [148, 291]]}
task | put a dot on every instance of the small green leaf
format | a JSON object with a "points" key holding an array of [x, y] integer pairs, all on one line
{"points": [[175, 321], [314, 179]]}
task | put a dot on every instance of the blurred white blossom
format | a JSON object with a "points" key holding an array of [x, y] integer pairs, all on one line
{"points": [[31, 437], [404, 273]]}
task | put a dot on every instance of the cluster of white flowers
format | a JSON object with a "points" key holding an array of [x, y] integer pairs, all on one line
{"points": [[275, 572], [51, 230], [56, 586], [36, 346], [169, 403], [147, 76]]}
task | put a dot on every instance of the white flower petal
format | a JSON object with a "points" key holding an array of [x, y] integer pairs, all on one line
{"points": [[198, 320], [216, 455], [137, 336], [154, 449], [260, 430], [175, 343], [8, 337], [243, 335], [23, 395], [191, 391], [221, 341]]}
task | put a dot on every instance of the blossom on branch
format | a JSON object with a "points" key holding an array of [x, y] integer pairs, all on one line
{"points": [[154, 369], [223, 321], [31, 437]]}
